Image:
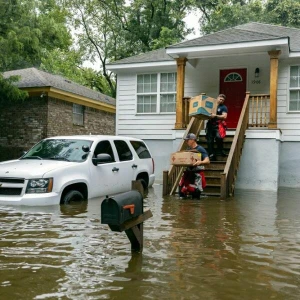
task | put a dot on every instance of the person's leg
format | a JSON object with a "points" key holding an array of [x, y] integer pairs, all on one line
{"points": [[210, 137], [198, 186], [220, 146], [181, 186]]}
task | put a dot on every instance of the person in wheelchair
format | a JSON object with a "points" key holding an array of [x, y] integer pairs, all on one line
{"points": [[193, 181]]}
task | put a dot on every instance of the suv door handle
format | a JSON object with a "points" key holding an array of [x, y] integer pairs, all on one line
{"points": [[115, 169], [134, 166]]}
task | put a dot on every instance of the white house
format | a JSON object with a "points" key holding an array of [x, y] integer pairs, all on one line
{"points": [[259, 58]]}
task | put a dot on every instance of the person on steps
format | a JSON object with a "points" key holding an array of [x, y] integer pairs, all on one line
{"points": [[216, 129], [193, 181]]}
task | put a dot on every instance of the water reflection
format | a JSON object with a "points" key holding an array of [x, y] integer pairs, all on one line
{"points": [[247, 247]]}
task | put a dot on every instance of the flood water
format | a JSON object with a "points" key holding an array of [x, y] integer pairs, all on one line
{"points": [[245, 248]]}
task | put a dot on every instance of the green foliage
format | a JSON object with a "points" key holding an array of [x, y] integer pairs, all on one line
{"points": [[68, 64], [27, 29], [223, 14], [283, 12], [9, 91], [109, 30], [228, 14]]}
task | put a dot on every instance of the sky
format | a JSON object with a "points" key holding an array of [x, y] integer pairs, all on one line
{"points": [[191, 21]]}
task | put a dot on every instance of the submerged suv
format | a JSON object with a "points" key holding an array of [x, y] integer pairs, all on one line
{"points": [[61, 169]]}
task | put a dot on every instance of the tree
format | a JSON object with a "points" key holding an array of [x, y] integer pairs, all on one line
{"points": [[219, 15], [9, 91], [283, 12], [28, 30], [69, 64], [108, 30]]}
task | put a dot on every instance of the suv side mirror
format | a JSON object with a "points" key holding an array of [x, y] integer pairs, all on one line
{"points": [[101, 159]]}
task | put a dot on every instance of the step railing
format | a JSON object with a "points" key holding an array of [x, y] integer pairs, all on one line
{"points": [[228, 177], [259, 110]]}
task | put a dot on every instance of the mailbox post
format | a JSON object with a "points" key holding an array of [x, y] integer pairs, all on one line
{"points": [[125, 212]]}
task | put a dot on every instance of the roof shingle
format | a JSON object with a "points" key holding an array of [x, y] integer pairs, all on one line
{"points": [[249, 32], [32, 77]]}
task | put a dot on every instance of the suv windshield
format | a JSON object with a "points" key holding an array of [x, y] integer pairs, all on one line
{"points": [[60, 149]]}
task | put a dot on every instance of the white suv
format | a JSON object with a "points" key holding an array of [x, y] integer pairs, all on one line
{"points": [[61, 169]]}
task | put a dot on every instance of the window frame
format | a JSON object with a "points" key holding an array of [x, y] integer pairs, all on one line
{"points": [[158, 93], [236, 75], [75, 113], [293, 89]]}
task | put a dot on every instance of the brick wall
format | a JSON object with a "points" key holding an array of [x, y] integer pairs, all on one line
{"points": [[60, 120], [22, 124], [25, 123]]}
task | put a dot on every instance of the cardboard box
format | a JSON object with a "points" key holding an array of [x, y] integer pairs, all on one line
{"points": [[202, 106], [184, 158]]}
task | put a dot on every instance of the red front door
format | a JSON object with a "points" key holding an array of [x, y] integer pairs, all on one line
{"points": [[233, 84]]}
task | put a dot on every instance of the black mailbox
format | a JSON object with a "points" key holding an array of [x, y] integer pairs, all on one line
{"points": [[121, 208]]}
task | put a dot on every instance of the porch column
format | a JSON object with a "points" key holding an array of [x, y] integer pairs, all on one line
{"points": [[274, 55], [180, 91]]}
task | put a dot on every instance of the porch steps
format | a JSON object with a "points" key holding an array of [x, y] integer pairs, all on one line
{"points": [[214, 170]]}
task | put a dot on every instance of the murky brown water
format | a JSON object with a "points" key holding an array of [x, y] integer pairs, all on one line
{"points": [[244, 248]]}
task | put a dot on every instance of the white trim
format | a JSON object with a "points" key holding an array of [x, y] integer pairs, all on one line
{"points": [[191, 49], [294, 54], [263, 134], [293, 138], [141, 65], [117, 109]]}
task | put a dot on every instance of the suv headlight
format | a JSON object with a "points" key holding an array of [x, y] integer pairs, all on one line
{"points": [[40, 185]]}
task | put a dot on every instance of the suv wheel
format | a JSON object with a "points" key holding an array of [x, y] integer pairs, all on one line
{"points": [[71, 196]]}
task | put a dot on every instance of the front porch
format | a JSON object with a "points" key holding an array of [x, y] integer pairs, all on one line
{"points": [[262, 107], [260, 154], [259, 111]]}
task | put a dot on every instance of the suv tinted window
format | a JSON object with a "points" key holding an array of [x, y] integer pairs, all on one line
{"points": [[140, 149], [104, 147], [123, 150]]}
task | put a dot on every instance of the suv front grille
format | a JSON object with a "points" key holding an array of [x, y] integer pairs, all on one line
{"points": [[11, 186], [10, 191], [12, 180]]}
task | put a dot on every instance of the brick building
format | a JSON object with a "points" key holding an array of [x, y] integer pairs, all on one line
{"points": [[55, 106]]}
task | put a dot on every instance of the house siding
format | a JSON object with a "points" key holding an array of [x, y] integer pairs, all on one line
{"points": [[23, 124], [288, 122], [144, 126], [202, 77]]}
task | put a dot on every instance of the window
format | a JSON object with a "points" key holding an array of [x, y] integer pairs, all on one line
{"points": [[104, 147], [233, 77], [140, 149], [78, 111], [294, 104], [123, 151], [156, 93]]}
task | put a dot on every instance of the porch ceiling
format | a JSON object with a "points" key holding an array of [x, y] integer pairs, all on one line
{"points": [[232, 49]]}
